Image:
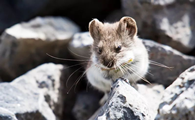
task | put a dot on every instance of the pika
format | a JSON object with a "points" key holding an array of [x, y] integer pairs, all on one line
{"points": [[116, 52]]}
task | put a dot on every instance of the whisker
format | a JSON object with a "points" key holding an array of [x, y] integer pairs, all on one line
{"points": [[138, 75], [121, 69], [65, 58], [159, 64], [75, 65], [78, 54], [79, 79], [76, 82], [138, 68], [124, 68], [71, 75]]}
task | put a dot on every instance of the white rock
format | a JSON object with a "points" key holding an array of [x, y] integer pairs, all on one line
{"points": [[124, 103], [47, 28], [178, 102], [166, 21], [24, 46]]}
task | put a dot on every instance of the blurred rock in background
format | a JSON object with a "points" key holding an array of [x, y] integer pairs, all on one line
{"points": [[24, 45], [170, 22], [170, 62]]}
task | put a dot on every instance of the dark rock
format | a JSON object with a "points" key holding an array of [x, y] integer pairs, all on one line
{"points": [[70, 90], [6, 114], [124, 103], [178, 102], [169, 22], [24, 46], [86, 104], [167, 56]]}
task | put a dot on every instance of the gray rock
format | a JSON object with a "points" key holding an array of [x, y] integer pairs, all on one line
{"points": [[168, 56], [178, 102], [24, 46], [159, 53], [42, 28], [86, 104], [47, 80], [6, 114], [169, 22], [152, 93], [24, 103], [80, 45], [124, 103], [40, 94]]}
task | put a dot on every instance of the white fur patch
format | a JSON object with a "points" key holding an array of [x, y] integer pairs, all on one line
{"points": [[96, 79]]}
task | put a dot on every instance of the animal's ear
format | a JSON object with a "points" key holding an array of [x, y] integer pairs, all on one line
{"points": [[127, 26], [95, 29]]}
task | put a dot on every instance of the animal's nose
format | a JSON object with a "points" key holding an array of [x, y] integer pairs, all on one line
{"points": [[108, 64]]}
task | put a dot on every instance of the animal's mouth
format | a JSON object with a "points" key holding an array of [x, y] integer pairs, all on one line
{"points": [[117, 68]]}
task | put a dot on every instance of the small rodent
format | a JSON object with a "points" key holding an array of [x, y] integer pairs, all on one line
{"points": [[116, 52]]}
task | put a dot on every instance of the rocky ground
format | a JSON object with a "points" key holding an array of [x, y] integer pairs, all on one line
{"points": [[36, 86]]}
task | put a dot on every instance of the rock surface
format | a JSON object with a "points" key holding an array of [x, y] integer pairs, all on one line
{"points": [[167, 56], [169, 22], [152, 93], [122, 104], [159, 53], [178, 102], [6, 114], [38, 94], [87, 102], [80, 45], [24, 46], [25, 104], [47, 80]]}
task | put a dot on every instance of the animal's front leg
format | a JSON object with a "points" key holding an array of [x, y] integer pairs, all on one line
{"points": [[104, 99]]}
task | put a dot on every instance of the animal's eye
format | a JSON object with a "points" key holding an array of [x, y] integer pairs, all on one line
{"points": [[99, 50], [118, 49]]}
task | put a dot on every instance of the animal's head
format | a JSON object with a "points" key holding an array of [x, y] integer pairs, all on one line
{"points": [[113, 43]]}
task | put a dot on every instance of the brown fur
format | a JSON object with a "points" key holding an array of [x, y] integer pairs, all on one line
{"points": [[108, 37]]}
